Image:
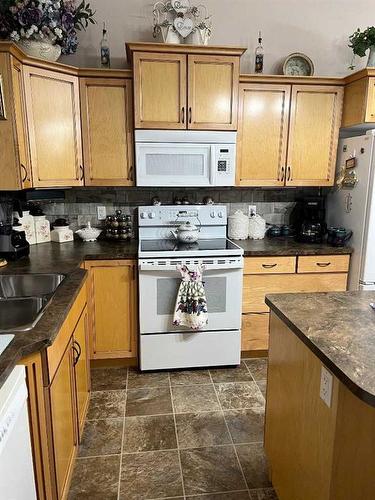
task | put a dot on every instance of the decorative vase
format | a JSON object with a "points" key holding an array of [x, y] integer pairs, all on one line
{"points": [[195, 38], [172, 36], [42, 49], [371, 57]]}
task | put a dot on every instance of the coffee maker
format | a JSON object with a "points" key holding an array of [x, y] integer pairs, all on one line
{"points": [[13, 244], [308, 218]]}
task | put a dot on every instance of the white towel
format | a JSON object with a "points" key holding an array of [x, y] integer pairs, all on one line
{"points": [[191, 303]]}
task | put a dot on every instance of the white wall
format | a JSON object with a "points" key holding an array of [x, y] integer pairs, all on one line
{"points": [[318, 28]]}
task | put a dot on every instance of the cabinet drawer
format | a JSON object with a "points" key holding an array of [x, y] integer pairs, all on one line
{"points": [[254, 334], [256, 287], [323, 264], [269, 265]]}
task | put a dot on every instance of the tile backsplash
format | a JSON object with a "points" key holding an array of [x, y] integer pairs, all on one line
{"points": [[79, 205]]}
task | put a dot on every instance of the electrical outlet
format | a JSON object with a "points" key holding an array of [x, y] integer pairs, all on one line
{"points": [[252, 210], [101, 213], [326, 383]]}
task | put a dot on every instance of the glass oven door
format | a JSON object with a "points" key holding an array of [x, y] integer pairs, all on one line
{"points": [[159, 281]]}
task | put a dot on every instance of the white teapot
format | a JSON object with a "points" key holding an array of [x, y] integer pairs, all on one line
{"points": [[88, 233], [186, 233]]}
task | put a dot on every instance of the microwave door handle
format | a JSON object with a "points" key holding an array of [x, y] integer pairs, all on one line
{"points": [[212, 166]]}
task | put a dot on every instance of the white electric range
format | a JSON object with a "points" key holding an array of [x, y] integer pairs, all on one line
{"points": [[162, 344]]}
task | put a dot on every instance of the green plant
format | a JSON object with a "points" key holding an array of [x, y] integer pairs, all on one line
{"points": [[360, 41]]}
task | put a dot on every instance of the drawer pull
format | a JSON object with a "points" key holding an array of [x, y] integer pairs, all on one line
{"points": [[269, 266], [323, 264]]}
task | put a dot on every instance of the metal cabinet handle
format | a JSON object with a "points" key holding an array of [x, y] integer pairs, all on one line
{"points": [[269, 266], [26, 173], [289, 174], [82, 172], [190, 115], [183, 114], [282, 178], [77, 349], [130, 174], [323, 264]]}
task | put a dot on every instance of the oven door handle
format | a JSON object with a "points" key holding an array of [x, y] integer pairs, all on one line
{"points": [[206, 267]]}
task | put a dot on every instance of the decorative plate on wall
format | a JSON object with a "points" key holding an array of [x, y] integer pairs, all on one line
{"points": [[298, 64]]}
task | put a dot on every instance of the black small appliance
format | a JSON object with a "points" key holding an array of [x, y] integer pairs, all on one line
{"points": [[308, 217], [13, 243]]}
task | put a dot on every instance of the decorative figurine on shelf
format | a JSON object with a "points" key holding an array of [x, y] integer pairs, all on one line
{"points": [[179, 22], [360, 42], [105, 56]]}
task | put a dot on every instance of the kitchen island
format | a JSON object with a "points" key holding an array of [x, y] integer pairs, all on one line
{"points": [[318, 450]]}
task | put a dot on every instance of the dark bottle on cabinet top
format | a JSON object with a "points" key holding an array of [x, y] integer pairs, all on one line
{"points": [[259, 55]]}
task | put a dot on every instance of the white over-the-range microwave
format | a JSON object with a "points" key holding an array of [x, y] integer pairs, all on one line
{"points": [[185, 158]]}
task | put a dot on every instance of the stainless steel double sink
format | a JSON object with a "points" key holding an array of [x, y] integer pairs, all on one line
{"points": [[23, 299]]}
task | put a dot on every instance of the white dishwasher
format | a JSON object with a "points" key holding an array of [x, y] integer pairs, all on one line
{"points": [[16, 463]]}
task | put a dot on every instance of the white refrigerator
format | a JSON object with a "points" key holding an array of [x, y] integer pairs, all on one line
{"points": [[354, 208]]}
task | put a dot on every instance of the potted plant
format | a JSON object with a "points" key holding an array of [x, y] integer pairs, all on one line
{"points": [[44, 28], [361, 41]]}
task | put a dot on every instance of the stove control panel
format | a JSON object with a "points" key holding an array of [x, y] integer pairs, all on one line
{"points": [[173, 215]]}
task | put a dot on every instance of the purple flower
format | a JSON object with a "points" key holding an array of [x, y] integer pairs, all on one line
{"points": [[70, 43], [29, 16], [67, 20]]}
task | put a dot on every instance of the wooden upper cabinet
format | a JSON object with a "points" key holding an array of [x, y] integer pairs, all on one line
{"points": [[185, 87], [262, 134], [14, 145], [359, 102], [52, 101], [213, 92], [160, 90], [113, 308], [107, 131], [315, 118]]}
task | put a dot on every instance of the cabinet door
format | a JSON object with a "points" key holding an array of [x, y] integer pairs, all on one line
{"points": [[160, 90], [213, 92], [52, 101], [262, 134], [21, 126], [108, 150], [82, 368], [63, 415], [313, 135], [113, 309]]}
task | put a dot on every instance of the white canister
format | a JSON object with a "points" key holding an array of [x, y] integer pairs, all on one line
{"points": [[61, 234], [28, 226], [42, 229], [238, 226], [257, 227]]}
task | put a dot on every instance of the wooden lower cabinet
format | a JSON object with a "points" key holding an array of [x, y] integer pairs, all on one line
{"points": [[267, 275], [255, 331], [63, 420], [82, 369], [112, 308]]}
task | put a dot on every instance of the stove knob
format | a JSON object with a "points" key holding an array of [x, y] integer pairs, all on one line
{"points": [[143, 215], [213, 215], [151, 215], [220, 215]]}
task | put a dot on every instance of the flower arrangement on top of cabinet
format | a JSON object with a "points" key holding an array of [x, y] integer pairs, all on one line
{"points": [[360, 42], [44, 28], [179, 22]]}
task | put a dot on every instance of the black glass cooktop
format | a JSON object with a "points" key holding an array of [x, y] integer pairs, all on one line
{"points": [[173, 245]]}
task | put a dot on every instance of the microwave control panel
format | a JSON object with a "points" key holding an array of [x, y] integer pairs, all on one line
{"points": [[223, 161]]}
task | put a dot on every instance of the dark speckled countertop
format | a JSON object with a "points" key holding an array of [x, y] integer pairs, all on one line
{"points": [[67, 257], [340, 329]]}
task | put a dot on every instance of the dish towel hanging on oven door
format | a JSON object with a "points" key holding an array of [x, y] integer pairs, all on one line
{"points": [[191, 303]]}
